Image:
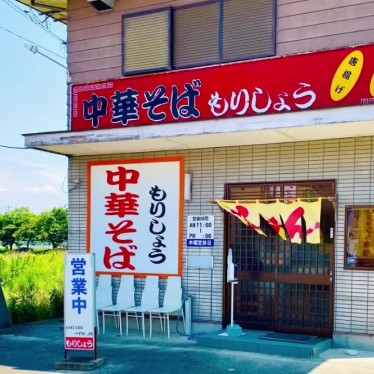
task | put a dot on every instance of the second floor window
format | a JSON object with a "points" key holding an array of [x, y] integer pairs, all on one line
{"points": [[201, 34]]}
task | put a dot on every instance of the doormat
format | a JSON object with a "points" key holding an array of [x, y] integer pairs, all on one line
{"points": [[290, 338]]}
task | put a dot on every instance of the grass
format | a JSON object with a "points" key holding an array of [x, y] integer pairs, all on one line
{"points": [[33, 284]]}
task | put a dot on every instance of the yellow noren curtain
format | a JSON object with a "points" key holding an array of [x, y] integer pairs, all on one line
{"points": [[248, 213], [312, 217], [270, 212], [275, 212]]}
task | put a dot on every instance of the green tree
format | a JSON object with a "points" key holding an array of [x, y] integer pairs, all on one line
{"points": [[53, 227], [17, 225], [27, 231]]}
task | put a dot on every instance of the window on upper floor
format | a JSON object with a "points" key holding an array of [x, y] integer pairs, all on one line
{"points": [[196, 35], [146, 42]]}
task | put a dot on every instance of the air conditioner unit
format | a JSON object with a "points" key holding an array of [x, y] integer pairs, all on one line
{"points": [[102, 5]]}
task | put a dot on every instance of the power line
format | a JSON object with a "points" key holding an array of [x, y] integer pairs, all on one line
{"points": [[30, 15], [30, 41], [33, 49], [8, 146]]}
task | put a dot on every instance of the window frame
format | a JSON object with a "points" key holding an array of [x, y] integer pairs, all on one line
{"points": [[169, 43], [248, 58], [220, 43], [348, 238], [171, 65]]}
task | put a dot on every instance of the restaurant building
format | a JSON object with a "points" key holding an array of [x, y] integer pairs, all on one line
{"points": [[265, 104]]}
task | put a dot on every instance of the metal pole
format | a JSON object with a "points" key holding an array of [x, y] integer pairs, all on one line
{"points": [[34, 49], [232, 304], [95, 353]]}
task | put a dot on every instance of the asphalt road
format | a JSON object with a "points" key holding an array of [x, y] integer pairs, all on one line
{"points": [[35, 348]]}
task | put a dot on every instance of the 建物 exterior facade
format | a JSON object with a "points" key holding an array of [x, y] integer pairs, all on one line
{"points": [[256, 101]]}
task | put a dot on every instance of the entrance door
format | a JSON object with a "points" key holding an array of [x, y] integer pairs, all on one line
{"points": [[282, 286]]}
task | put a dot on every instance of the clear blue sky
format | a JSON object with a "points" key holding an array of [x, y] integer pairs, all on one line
{"points": [[32, 100]]}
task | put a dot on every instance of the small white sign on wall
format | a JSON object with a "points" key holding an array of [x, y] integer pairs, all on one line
{"points": [[79, 302], [200, 231]]}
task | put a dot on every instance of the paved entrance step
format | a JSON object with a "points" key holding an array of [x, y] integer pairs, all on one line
{"points": [[258, 341]]}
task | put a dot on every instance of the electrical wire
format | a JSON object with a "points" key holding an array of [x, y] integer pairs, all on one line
{"points": [[30, 41], [23, 148], [31, 16], [180, 314], [10, 147], [34, 18], [65, 182]]}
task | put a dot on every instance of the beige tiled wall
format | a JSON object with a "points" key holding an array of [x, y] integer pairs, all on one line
{"points": [[348, 161]]}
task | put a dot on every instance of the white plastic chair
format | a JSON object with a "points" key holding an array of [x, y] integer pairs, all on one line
{"points": [[103, 295], [125, 300], [149, 301], [172, 303]]}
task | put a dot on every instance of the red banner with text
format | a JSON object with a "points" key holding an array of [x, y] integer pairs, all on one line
{"points": [[279, 85]]}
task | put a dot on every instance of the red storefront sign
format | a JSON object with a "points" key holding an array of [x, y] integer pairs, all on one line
{"points": [[80, 344], [279, 85]]}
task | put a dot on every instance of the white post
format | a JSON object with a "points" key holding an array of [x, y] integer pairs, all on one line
{"points": [[232, 330]]}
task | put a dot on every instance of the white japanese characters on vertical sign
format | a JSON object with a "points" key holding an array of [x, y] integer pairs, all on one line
{"points": [[200, 231], [79, 302], [135, 216]]}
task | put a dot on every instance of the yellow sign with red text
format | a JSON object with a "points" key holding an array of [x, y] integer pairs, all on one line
{"points": [[347, 75]]}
